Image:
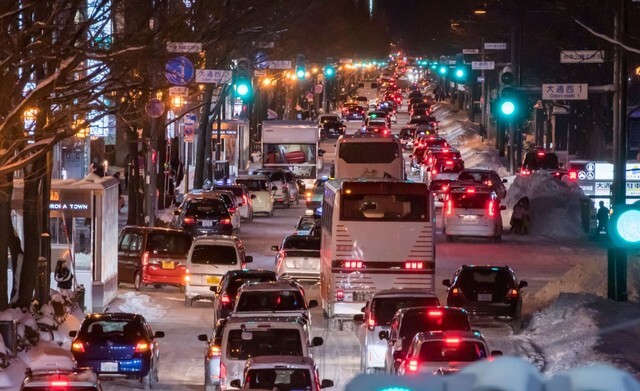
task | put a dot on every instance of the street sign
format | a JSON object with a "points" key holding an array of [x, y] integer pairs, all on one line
{"points": [[184, 47], [259, 73], [470, 51], [182, 91], [483, 65], [179, 71], [318, 89], [188, 132], [213, 76], [189, 119], [565, 91], [346, 60], [260, 60], [495, 45], [279, 64], [582, 56], [154, 108]]}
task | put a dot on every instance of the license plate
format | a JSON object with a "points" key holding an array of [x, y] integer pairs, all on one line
{"points": [[207, 223], [168, 265], [109, 366], [485, 297], [469, 218], [214, 280]]}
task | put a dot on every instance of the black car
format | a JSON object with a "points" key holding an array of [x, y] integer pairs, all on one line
{"points": [[352, 112], [491, 291], [204, 216], [331, 129], [226, 291]]}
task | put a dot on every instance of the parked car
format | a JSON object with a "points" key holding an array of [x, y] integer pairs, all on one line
{"points": [[210, 258], [285, 183], [259, 186], [151, 255], [487, 290], [281, 372], [378, 313], [243, 198], [227, 290], [204, 215], [298, 258], [60, 379], [118, 344]]}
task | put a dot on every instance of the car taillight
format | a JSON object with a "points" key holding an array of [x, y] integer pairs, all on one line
{"points": [[449, 163], [434, 313], [214, 351], [308, 196], [187, 276], [339, 295], [59, 383], [434, 171], [232, 210], [352, 264], [413, 265], [491, 208], [471, 190], [540, 153], [145, 258], [141, 347], [188, 220], [245, 199], [385, 132], [413, 366], [371, 323], [449, 209], [524, 171], [77, 347], [224, 299], [223, 372], [452, 341], [225, 221], [512, 294]]}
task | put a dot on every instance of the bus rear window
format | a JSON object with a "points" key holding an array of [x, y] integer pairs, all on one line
{"points": [[385, 207], [369, 153]]}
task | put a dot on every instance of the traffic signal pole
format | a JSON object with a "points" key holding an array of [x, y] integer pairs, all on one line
{"points": [[617, 256]]}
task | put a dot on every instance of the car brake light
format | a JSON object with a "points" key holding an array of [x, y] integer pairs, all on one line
{"points": [[512, 294], [471, 190], [524, 171], [445, 187], [371, 323], [449, 162], [434, 313], [59, 383], [245, 199], [78, 347], [225, 221], [540, 154], [573, 175], [449, 209], [452, 341], [352, 264], [188, 220], [141, 347], [224, 299], [308, 195], [145, 258], [339, 295], [492, 211], [413, 366], [187, 276], [232, 210], [214, 351], [223, 372], [434, 171], [413, 265]]}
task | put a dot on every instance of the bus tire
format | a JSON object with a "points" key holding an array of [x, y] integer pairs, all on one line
{"points": [[449, 238]]}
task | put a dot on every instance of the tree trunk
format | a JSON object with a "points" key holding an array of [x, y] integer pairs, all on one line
{"points": [[6, 189], [32, 224], [204, 138]]}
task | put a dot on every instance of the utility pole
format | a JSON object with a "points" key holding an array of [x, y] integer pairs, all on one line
{"points": [[617, 257]]}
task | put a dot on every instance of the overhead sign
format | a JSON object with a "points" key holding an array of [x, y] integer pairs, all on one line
{"points": [[180, 91], [483, 65], [184, 47], [582, 56], [279, 64], [259, 73], [565, 91], [179, 71], [213, 76], [189, 119], [470, 51], [346, 60], [495, 45], [154, 108]]}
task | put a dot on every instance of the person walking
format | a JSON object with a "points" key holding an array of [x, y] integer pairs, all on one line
{"points": [[516, 218], [603, 218], [63, 276]]}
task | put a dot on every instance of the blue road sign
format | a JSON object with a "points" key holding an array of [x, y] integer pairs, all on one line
{"points": [[179, 71]]}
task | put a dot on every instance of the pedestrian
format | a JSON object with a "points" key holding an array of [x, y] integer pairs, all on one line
{"points": [[516, 217], [120, 196], [603, 218], [63, 276]]}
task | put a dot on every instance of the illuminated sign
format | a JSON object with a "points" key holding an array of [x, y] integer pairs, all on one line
{"points": [[68, 206]]}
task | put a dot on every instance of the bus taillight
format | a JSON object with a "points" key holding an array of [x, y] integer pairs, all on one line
{"points": [[339, 295], [413, 265], [352, 264]]}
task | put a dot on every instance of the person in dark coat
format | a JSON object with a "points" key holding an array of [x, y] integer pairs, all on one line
{"points": [[603, 218], [63, 275]]}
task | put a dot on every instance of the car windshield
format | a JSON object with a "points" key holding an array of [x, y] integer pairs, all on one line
{"points": [[282, 379], [253, 184], [384, 308], [439, 185], [414, 322], [206, 208], [541, 161], [385, 207], [270, 301], [237, 191], [473, 176], [263, 342], [452, 349], [301, 243], [470, 200], [116, 330], [306, 223], [172, 243], [211, 254], [236, 282], [369, 153], [495, 280], [273, 175], [329, 118]]}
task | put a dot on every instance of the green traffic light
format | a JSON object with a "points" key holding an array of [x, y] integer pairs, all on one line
{"points": [[242, 89], [507, 107], [628, 226], [329, 71], [459, 73], [443, 70], [300, 73]]}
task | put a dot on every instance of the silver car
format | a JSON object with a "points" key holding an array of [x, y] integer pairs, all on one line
{"points": [[377, 317], [298, 258], [284, 180]]}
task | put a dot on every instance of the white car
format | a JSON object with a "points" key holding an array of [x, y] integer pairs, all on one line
{"points": [[281, 372], [243, 199], [259, 186], [298, 258]]}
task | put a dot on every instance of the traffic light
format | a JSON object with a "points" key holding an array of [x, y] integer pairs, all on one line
{"points": [[443, 70], [506, 79], [329, 69], [624, 226], [242, 79], [460, 72], [301, 70], [507, 101]]}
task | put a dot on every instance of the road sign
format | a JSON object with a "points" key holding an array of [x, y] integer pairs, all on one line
{"points": [[184, 47], [189, 119], [470, 51], [188, 132], [346, 61], [565, 91], [309, 97], [259, 73], [582, 56], [179, 70], [495, 45], [279, 64], [260, 60], [213, 76], [483, 65], [181, 91], [318, 89], [154, 108]]}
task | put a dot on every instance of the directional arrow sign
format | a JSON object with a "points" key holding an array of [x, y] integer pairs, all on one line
{"points": [[279, 64]]}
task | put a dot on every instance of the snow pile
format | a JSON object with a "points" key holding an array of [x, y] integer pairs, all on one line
{"points": [[166, 215], [555, 207], [137, 303]]}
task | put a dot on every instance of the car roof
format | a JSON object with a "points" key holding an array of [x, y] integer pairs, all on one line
{"points": [[479, 170], [249, 272], [273, 317], [155, 229], [271, 286], [114, 316], [440, 335], [404, 311], [253, 177], [280, 360], [486, 267], [403, 292], [215, 238]]}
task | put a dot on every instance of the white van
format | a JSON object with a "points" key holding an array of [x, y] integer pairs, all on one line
{"points": [[368, 156], [210, 257], [368, 88]]}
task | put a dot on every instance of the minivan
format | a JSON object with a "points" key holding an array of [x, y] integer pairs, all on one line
{"points": [[210, 258], [153, 256]]}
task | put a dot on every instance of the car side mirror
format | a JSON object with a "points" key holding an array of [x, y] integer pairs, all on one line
{"points": [[313, 303], [523, 284], [384, 334], [248, 259], [235, 383], [358, 318], [274, 188], [321, 152], [253, 196], [275, 248], [326, 383], [496, 353], [503, 207], [203, 338], [317, 341], [446, 282], [505, 181], [73, 333], [158, 334], [213, 289]]}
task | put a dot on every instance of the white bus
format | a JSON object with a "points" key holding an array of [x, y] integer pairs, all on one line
{"points": [[368, 156], [376, 234]]}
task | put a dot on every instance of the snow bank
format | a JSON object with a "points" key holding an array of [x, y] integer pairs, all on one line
{"points": [[47, 355], [166, 215], [138, 303], [555, 207]]}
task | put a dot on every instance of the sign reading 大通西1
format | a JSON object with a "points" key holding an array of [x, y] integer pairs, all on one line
{"points": [[281, 64], [213, 76], [483, 65], [565, 91], [495, 45], [582, 56], [184, 47]]}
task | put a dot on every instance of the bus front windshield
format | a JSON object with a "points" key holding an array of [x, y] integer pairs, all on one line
{"points": [[384, 207]]}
